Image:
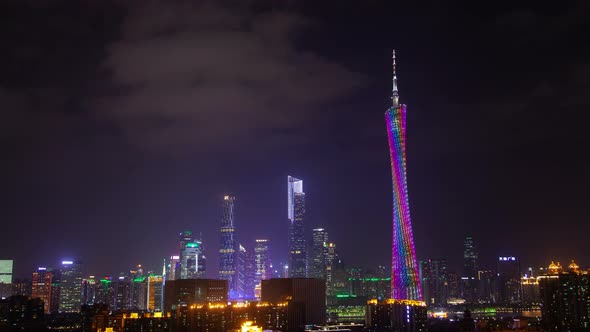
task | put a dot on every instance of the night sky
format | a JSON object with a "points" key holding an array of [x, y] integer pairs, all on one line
{"points": [[124, 123]]}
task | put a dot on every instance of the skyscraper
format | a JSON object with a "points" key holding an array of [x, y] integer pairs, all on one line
{"points": [[228, 259], [6, 271], [193, 262], [469, 278], [70, 296], [405, 280], [246, 273], [296, 215], [434, 281], [41, 286], [262, 261], [509, 279], [317, 264]]}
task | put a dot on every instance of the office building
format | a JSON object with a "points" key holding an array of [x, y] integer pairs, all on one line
{"points": [[6, 271], [193, 263], [308, 293], [89, 290], [184, 292], [405, 278], [172, 266], [317, 262], [41, 287], [246, 273], [263, 270], [433, 273], [530, 290], [122, 292], [105, 292], [396, 315], [180, 270], [509, 279], [228, 248], [155, 293], [70, 296], [469, 277], [296, 215], [21, 313], [565, 297]]}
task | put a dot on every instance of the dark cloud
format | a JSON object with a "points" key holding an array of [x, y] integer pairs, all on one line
{"points": [[205, 76]]}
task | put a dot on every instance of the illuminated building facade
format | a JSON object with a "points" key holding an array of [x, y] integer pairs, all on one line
{"points": [[246, 273], [509, 280], [41, 287], [228, 259], [469, 278], [185, 237], [172, 266], [262, 261], [405, 278], [122, 296], [296, 215], [88, 290], [193, 263], [396, 315], [317, 264], [180, 293], [155, 293], [6, 271], [565, 298], [105, 291], [70, 296]]}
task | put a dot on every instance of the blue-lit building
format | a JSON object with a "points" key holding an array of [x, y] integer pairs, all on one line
{"points": [[228, 249], [296, 216]]}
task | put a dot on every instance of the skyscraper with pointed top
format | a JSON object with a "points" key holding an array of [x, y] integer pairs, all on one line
{"points": [[296, 215], [405, 282]]}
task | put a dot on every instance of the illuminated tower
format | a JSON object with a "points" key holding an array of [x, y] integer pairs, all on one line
{"points": [[296, 214], [228, 259], [70, 296], [41, 286], [405, 282]]}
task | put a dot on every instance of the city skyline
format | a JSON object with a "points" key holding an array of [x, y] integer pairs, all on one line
{"points": [[116, 144]]}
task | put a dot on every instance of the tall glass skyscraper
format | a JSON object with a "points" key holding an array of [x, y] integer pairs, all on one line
{"points": [[262, 261], [469, 277], [228, 259], [405, 280], [296, 215], [41, 287], [193, 260], [317, 264], [70, 296]]}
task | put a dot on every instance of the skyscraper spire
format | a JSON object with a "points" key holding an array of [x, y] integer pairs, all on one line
{"points": [[394, 93]]}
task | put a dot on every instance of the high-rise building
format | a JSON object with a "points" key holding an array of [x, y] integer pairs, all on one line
{"points": [[6, 271], [172, 266], [262, 260], [246, 273], [396, 315], [89, 290], [469, 277], [296, 215], [509, 280], [405, 278], [41, 287], [155, 292], [193, 263], [70, 296], [565, 297], [185, 237], [228, 259], [434, 281], [122, 292], [317, 263]]}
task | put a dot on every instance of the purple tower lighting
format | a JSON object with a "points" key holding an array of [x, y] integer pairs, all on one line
{"points": [[405, 283]]}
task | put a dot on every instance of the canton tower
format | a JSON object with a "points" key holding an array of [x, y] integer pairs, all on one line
{"points": [[405, 283]]}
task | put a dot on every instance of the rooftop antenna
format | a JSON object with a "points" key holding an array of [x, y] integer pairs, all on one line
{"points": [[394, 92]]}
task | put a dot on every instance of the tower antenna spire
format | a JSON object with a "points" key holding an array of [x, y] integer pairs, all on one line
{"points": [[394, 92]]}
